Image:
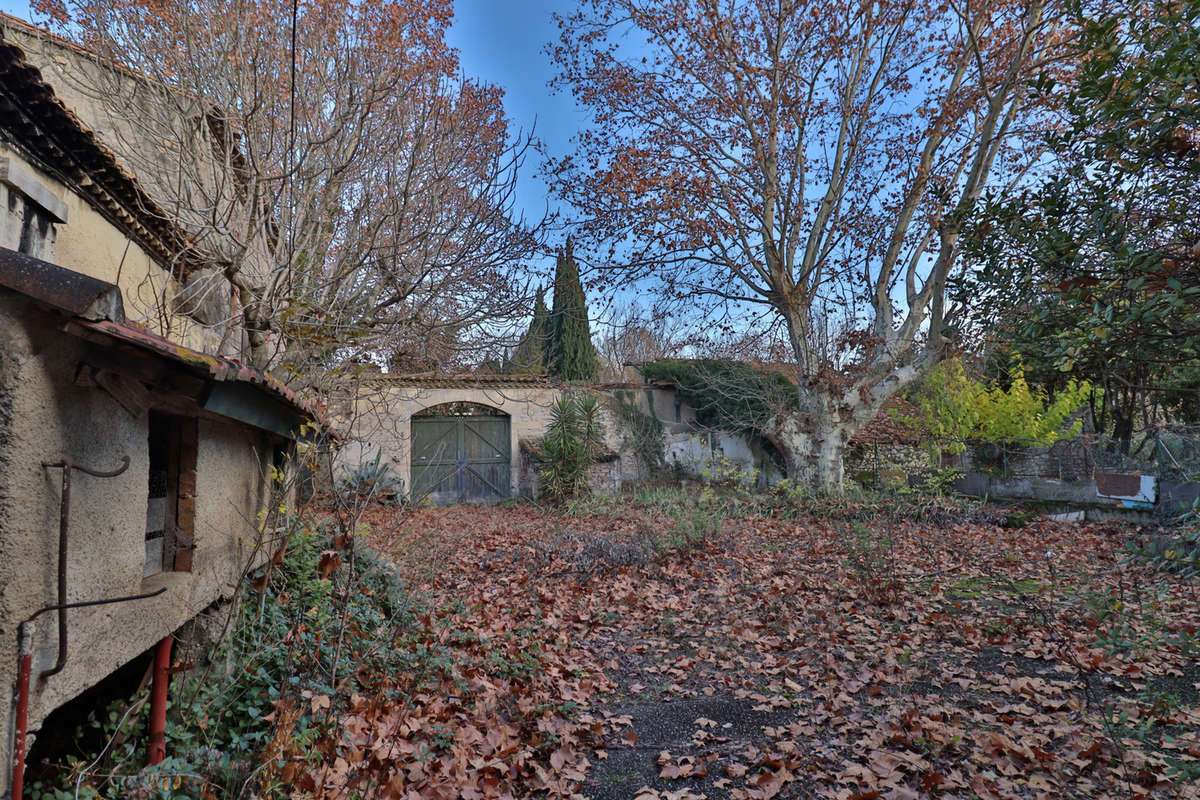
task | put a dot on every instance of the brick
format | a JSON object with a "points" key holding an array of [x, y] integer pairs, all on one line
{"points": [[185, 514]]}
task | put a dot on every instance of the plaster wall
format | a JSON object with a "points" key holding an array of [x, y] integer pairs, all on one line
{"points": [[606, 477], [90, 244], [694, 453], [663, 402], [382, 422], [147, 127], [658, 402], [232, 488], [44, 416]]}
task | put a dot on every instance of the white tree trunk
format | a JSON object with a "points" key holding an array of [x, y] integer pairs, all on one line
{"points": [[813, 453]]}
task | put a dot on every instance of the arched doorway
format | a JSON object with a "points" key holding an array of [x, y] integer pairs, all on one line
{"points": [[460, 454]]}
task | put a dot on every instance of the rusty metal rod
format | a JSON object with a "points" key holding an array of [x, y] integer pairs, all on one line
{"points": [[157, 749], [24, 667], [64, 520]]}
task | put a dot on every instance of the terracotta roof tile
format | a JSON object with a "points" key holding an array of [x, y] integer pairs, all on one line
{"points": [[885, 428], [32, 113], [463, 381], [217, 368]]}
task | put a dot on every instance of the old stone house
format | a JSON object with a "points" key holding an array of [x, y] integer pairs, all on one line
{"points": [[136, 456]]}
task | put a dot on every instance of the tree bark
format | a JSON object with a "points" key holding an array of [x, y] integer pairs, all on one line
{"points": [[814, 444]]}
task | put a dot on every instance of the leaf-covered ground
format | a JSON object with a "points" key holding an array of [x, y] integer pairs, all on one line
{"points": [[615, 657]]}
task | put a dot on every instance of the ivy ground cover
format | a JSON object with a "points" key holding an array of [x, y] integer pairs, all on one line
{"points": [[855, 655]]}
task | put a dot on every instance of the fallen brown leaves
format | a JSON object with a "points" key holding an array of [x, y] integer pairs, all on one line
{"points": [[989, 669]]}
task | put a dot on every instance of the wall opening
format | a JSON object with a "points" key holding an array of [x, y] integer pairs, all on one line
{"points": [[70, 731], [171, 503]]}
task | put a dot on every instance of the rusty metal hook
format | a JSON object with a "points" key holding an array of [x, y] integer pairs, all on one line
{"points": [[64, 517]]}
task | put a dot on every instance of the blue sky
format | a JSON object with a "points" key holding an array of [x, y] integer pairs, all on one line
{"points": [[501, 42]]}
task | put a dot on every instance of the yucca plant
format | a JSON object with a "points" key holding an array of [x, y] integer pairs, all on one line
{"points": [[572, 443]]}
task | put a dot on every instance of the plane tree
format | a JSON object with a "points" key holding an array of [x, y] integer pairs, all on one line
{"points": [[328, 161], [814, 159]]}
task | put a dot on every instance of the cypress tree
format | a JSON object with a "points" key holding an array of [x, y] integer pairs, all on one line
{"points": [[529, 357], [570, 353]]}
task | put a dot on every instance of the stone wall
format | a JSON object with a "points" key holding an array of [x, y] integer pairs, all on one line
{"points": [[886, 465], [1071, 459]]}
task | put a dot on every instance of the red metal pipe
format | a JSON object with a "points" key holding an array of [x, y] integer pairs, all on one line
{"points": [[22, 724], [158, 703], [25, 667]]}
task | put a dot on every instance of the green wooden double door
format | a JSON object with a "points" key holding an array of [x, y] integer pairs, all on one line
{"points": [[460, 459]]}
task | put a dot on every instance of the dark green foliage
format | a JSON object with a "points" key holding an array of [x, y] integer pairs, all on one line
{"points": [[570, 354], [645, 434], [285, 649], [1094, 274], [529, 357], [729, 395], [572, 442]]}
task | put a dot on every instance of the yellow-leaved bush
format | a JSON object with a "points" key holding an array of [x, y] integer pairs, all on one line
{"points": [[953, 408]]}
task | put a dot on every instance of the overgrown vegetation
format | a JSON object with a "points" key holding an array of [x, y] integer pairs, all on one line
{"points": [[335, 656], [1175, 550], [370, 481], [644, 434], [316, 624], [728, 395], [783, 500], [323, 625], [1092, 274]]}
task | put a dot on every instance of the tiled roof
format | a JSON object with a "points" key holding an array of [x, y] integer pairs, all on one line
{"points": [[885, 428], [66, 148], [462, 381], [217, 368], [95, 309]]}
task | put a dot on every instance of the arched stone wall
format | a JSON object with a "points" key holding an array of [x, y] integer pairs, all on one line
{"points": [[381, 419]]}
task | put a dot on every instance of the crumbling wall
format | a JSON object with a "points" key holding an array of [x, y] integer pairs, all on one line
{"points": [[885, 465]]}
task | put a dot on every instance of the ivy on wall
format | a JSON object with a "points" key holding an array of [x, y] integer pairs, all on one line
{"points": [[727, 395], [644, 433]]}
